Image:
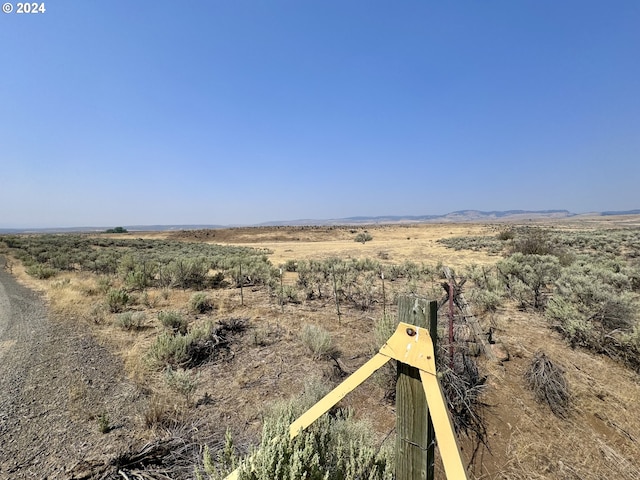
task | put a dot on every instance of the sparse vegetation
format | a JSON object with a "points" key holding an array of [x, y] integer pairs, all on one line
{"points": [[492, 245], [583, 284], [182, 381], [200, 303], [104, 424], [173, 321], [131, 320], [317, 340]]}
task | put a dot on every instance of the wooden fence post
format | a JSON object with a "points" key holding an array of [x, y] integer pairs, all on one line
{"points": [[415, 446], [241, 286]]}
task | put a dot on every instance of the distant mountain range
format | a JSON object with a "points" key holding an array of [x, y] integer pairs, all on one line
{"points": [[459, 216], [623, 212], [453, 217]]}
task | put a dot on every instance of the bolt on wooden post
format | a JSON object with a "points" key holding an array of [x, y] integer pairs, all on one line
{"points": [[415, 441]]}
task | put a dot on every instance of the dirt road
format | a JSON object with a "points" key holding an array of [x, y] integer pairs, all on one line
{"points": [[55, 382]]}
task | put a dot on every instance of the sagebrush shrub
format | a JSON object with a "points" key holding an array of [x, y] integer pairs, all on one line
{"points": [[534, 242], [290, 266], [41, 272], [289, 294], [363, 237], [174, 321], [103, 284], [117, 299], [182, 381], [104, 425], [131, 320], [506, 235], [169, 349], [529, 275], [178, 350], [334, 447], [200, 303], [317, 340]]}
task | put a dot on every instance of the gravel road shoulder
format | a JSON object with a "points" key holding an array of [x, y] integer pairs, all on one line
{"points": [[55, 383]]}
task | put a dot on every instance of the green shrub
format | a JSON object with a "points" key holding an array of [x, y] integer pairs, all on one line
{"points": [[116, 230], [317, 340], [174, 321], [338, 448], [200, 303], [506, 235], [533, 242], [363, 237], [290, 266], [103, 284], [333, 447], [567, 319], [289, 294], [169, 349], [104, 425], [527, 277], [486, 300], [384, 327], [117, 299], [41, 272], [187, 273], [131, 320], [487, 291], [193, 348], [182, 381], [226, 460], [139, 278]]}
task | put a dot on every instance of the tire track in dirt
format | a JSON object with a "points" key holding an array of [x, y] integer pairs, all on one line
{"points": [[55, 381]]}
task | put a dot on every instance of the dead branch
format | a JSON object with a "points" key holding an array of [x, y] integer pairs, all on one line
{"points": [[548, 383]]}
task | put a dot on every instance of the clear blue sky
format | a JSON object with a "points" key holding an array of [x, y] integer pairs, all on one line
{"points": [[238, 112]]}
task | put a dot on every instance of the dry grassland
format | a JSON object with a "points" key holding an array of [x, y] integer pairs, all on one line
{"points": [[390, 244], [599, 440]]}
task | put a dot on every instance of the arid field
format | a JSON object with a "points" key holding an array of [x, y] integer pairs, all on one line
{"points": [[210, 327]]}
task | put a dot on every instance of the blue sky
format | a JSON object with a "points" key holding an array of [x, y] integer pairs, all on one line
{"points": [[239, 112]]}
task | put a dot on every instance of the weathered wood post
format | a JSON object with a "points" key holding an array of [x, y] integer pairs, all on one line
{"points": [[415, 446], [281, 292], [335, 293], [241, 285]]}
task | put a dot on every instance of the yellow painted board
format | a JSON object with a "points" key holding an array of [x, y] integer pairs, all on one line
{"points": [[447, 445], [411, 345], [337, 394], [233, 475]]}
